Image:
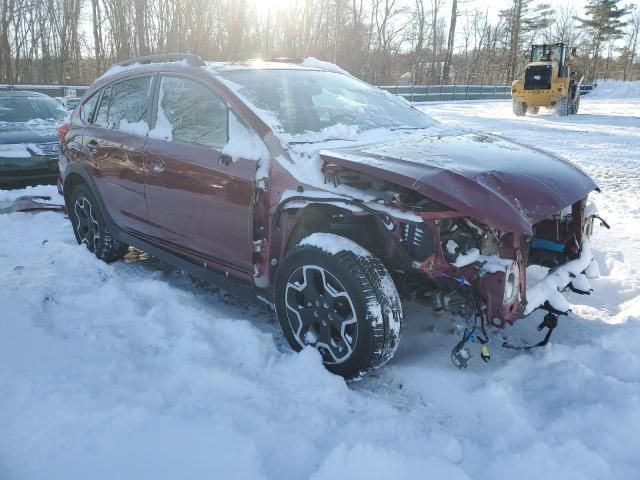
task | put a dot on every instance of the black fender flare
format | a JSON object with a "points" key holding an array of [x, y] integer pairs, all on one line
{"points": [[77, 170]]}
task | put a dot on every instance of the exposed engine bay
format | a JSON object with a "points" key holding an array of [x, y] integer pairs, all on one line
{"points": [[472, 269]]}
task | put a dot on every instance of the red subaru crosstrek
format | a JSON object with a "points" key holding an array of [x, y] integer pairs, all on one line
{"points": [[300, 185]]}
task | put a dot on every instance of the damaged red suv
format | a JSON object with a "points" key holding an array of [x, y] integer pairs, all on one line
{"points": [[324, 197]]}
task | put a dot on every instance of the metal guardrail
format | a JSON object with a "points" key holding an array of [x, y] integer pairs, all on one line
{"points": [[451, 93], [413, 93], [51, 90]]}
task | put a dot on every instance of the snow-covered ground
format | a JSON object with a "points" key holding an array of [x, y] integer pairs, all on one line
{"points": [[134, 371]]}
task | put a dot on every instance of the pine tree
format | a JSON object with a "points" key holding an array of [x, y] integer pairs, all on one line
{"points": [[605, 22], [521, 19]]}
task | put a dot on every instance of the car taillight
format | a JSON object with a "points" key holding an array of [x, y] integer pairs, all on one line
{"points": [[63, 130]]}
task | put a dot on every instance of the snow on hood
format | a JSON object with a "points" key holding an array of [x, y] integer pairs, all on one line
{"points": [[496, 181], [31, 132]]}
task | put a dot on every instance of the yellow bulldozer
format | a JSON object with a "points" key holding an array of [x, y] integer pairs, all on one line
{"points": [[548, 82]]}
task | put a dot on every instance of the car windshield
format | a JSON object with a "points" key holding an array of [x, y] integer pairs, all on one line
{"points": [[304, 101], [24, 109]]}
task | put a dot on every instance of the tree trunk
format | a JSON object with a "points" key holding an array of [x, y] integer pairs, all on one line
{"points": [[450, 42]]}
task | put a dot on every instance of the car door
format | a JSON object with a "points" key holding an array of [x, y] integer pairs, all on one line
{"points": [[200, 200], [115, 142], [72, 147]]}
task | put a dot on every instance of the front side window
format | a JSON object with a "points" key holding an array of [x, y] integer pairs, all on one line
{"points": [[188, 112]]}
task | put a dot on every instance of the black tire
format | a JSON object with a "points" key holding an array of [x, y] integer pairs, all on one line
{"points": [[362, 301], [562, 106], [533, 110], [575, 105], [519, 108], [90, 228]]}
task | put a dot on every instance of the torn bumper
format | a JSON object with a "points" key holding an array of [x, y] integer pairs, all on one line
{"points": [[574, 274]]}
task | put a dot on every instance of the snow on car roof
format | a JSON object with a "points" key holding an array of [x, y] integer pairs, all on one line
{"points": [[256, 64], [308, 63]]}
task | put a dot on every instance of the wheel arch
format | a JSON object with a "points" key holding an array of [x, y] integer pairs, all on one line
{"points": [[363, 228], [76, 175]]}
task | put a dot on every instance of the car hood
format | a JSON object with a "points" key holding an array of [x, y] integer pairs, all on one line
{"points": [[499, 182], [28, 132]]}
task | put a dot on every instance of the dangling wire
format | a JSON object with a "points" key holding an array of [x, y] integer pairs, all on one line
{"points": [[460, 355]]}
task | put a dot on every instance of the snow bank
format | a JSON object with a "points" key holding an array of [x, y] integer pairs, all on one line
{"points": [[616, 89]]}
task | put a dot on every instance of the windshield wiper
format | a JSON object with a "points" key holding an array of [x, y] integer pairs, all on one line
{"points": [[322, 141], [407, 128]]}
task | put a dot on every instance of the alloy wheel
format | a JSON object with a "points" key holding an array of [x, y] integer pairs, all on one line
{"points": [[87, 226], [321, 313]]}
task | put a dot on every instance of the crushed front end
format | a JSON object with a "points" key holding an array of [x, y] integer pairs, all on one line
{"points": [[497, 277], [498, 265]]}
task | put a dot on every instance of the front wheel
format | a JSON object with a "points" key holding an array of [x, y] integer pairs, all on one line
{"points": [[342, 302], [519, 108], [562, 106]]}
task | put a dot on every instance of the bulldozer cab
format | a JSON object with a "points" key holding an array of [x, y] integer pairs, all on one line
{"points": [[548, 53], [556, 52]]}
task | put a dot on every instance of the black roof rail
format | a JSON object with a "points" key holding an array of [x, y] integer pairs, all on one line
{"points": [[191, 59]]}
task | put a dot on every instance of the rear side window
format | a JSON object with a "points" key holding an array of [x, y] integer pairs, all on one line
{"points": [[87, 108], [124, 103], [188, 112]]}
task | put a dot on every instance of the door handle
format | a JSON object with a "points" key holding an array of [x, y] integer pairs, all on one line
{"points": [[157, 165], [225, 159]]}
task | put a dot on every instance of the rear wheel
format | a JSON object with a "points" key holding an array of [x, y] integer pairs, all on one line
{"points": [[90, 228], [519, 108], [533, 110], [562, 106], [344, 304]]}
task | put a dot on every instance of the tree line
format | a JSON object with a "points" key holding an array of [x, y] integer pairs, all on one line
{"points": [[380, 41]]}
